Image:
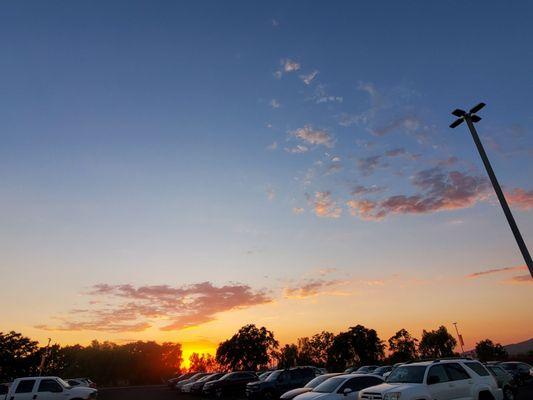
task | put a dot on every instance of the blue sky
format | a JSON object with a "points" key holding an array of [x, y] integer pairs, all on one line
{"points": [[156, 143]]}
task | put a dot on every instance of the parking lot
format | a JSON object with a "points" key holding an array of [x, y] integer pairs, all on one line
{"points": [[162, 392]]}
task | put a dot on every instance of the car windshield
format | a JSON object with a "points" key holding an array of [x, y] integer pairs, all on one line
{"points": [[63, 383], [380, 370], [329, 385], [204, 378], [317, 381], [264, 375], [407, 374], [273, 376], [509, 367]]}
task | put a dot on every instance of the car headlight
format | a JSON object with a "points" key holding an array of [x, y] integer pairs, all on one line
{"points": [[392, 396]]}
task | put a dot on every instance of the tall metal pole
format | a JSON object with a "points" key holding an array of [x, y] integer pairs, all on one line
{"points": [[499, 193], [460, 338]]}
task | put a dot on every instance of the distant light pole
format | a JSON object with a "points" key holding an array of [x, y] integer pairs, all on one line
{"points": [[461, 342], [470, 117]]}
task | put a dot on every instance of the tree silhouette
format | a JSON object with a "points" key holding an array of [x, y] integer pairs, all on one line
{"points": [[314, 350], [437, 344], [19, 355], [202, 363], [357, 346], [249, 349], [402, 346], [288, 356], [486, 350]]}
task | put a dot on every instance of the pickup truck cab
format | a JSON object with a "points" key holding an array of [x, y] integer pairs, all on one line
{"points": [[447, 379], [47, 388]]}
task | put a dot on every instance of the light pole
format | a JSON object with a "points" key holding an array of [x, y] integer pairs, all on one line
{"points": [[470, 118], [460, 339]]}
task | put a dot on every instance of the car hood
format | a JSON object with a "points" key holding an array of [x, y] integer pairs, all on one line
{"points": [[294, 392], [312, 396], [388, 387], [82, 390]]}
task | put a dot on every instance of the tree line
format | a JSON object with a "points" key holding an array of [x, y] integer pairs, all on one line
{"points": [[251, 348]]}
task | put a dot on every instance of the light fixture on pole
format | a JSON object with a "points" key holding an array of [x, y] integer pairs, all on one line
{"points": [[470, 118], [460, 338]]}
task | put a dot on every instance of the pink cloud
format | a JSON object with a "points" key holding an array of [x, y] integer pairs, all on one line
{"points": [[130, 308], [324, 205], [439, 190], [496, 271], [311, 287], [520, 198]]}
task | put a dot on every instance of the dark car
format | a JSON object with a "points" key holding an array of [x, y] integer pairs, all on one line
{"points": [[278, 382], [180, 377], [382, 370], [196, 387], [505, 381], [230, 385], [520, 371], [291, 394], [192, 379]]}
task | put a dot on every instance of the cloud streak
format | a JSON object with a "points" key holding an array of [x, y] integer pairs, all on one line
{"points": [[439, 190], [132, 309]]}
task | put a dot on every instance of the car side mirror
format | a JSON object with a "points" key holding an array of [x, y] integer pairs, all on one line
{"points": [[432, 379], [347, 391]]}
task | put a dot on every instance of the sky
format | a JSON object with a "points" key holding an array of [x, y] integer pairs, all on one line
{"points": [[172, 171]]}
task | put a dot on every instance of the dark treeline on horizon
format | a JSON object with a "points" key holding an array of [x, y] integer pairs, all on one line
{"points": [[251, 348]]}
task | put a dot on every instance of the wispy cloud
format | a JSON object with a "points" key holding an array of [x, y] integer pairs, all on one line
{"points": [[324, 205], [129, 308], [312, 136], [367, 165], [440, 190], [290, 65], [307, 79], [496, 271], [313, 287], [272, 146], [271, 193], [300, 148], [520, 198], [274, 103], [409, 124], [362, 190], [298, 210]]}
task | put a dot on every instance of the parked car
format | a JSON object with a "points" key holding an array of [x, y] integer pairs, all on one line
{"points": [[192, 379], [505, 381], [341, 387], [196, 387], [81, 382], [521, 371], [264, 375], [49, 388], [364, 369], [291, 394], [464, 379], [381, 371], [278, 382], [180, 377], [232, 384]]}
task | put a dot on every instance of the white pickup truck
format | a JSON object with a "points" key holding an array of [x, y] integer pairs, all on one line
{"points": [[47, 388]]}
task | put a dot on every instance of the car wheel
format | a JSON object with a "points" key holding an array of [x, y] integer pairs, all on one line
{"points": [[508, 393]]}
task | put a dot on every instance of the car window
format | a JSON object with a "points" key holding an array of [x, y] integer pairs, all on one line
{"points": [[72, 382], [477, 368], [439, 372], [407, 374], [296, 374], [308, 373], [49, 385], [25, 386], [523, 367], [456, 372]]}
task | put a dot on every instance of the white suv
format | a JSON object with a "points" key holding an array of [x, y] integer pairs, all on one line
{"points": [[452, 379]]}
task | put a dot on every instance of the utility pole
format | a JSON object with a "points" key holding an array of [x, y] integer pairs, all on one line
{"points": [[460, 338], [470, 118]]}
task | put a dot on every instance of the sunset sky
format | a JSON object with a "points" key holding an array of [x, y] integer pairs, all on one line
{"points": [[173, 171]]}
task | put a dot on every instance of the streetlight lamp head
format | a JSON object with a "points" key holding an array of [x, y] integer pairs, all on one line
{"points": [[475, 118], [475, 109], [456, 123], [459, 113]]}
